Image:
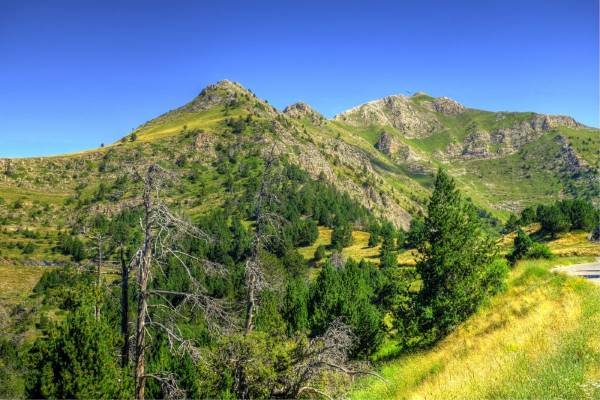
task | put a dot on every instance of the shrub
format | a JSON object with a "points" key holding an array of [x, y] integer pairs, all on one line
{"points": [[522, 244], [539, 250], [319, 253], [75, 360], [347, 292], [341, 236], [553, 219], [415, 233], [28, 248]]}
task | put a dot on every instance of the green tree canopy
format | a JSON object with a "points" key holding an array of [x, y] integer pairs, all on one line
{"points": [[455, 256]]}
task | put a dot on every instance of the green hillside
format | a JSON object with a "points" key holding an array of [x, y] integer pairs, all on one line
{"points": [[537, 340], [287, 253]]}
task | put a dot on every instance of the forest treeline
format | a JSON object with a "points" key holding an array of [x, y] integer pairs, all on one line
{"points": [[156, 305]]}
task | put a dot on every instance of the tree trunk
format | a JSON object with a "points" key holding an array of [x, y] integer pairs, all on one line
{"points": [[143, 276], [251, 303], [98, 279], [140, 334], [124, 308]]}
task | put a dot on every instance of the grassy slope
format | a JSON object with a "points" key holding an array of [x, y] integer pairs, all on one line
{"points": [[515, 181], [539, 339], [358, 250], [17, 283]]}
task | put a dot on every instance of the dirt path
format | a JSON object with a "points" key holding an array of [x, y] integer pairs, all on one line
{"points": [[590, 271]]}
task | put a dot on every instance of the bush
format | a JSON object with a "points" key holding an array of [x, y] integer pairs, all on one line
{"points": [[415, 233], [522, 244], [347, 292], [539, 250], [28, 248], [553, 219], [319, 253], [341, 236], [528, 216], [75, 360]]}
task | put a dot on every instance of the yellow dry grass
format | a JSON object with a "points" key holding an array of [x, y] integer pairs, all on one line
{"points": [[520, 332], [525, 323], [574, 244], [17, 283], [358, 250]]}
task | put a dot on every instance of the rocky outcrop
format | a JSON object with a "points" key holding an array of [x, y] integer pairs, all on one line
{"points": [[395, 149], [387, 144], [513, 138], [570, 159], [448, 106], [556, 121], [477, 145], [302, 110], [396, 111], [221, 93], [204, 145]]}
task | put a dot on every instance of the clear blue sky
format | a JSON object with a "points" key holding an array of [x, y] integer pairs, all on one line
{"points": [[74, 74]]}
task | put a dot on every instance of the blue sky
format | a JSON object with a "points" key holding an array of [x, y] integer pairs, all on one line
{"points": [[74, 74]]}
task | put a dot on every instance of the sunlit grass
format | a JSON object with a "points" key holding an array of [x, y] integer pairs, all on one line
{"points": [[539, 339], [17, 282], [358, 250]]}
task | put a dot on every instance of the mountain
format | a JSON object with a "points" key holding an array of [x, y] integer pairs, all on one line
{"points": [[383, 153], [267, 275]]}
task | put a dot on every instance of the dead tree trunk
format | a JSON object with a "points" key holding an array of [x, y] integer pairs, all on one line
{"points": [[143, 276], [124, 306], [251, 306], [99, 240], [253, 270], [162, 231]]}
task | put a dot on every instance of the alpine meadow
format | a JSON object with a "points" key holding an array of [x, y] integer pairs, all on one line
{"points": [[409, 247]]}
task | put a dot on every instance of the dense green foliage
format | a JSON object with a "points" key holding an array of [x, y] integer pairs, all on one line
{"points": [[456, 260], [80, 355], [348, 292], [525, 247], [562, 216], [76, 360]]}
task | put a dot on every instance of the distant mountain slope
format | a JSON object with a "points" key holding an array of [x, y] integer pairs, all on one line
{"points": [[383, 153]]}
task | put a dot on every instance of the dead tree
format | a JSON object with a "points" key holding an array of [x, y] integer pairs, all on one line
{"points": [[98, 233], [162, 230], [254, 270], [321, 355], [124, 306]]}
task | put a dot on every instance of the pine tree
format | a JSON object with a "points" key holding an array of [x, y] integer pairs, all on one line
{"points": [[454, 260], [522, 244], [76, 360], [341, 236]]}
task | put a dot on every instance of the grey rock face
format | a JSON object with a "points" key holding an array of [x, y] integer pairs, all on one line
{"points": [[477, 145], [396, 111], [571, 160], [302, 110], [448, 106], [387, 144]]}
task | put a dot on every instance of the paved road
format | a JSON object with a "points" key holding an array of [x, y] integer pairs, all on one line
{"points": [[590, 271]]}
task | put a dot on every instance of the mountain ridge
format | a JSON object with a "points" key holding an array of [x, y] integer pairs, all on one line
{"points": [[383, 153]]}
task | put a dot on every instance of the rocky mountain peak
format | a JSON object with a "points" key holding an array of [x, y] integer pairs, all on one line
{"points": [[302, 110], [554, 121], [397, 111], [222, 92], [447, 106]]}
